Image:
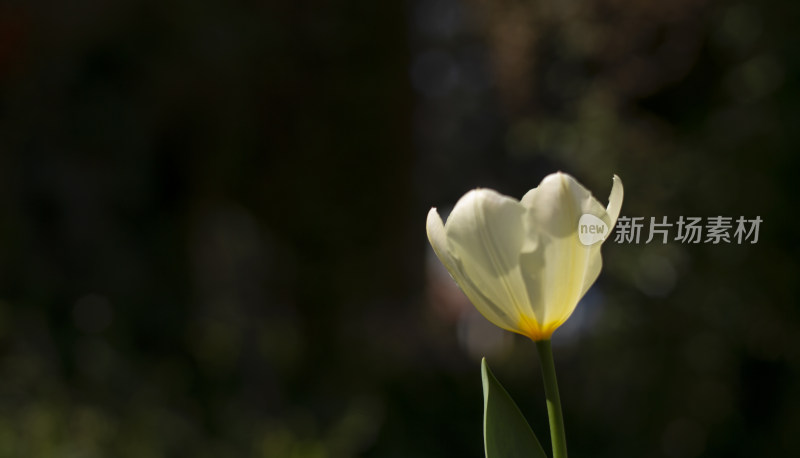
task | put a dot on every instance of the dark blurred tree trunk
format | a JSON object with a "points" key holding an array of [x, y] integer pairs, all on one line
{"points": [[337, 187]]}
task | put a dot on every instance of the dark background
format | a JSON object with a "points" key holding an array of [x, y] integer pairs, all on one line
{"points": [[212, 222]]}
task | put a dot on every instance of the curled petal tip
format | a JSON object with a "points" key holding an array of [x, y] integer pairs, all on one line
{"points": [[615, 200], [433, 214]]}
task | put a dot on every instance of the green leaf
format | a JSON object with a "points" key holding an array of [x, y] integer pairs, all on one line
{"points": [[506, 433]]}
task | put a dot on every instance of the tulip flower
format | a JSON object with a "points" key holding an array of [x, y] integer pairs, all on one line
{"points": [[522, 263]]}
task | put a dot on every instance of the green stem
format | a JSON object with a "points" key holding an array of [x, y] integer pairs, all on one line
{"points": [[553, 399]]}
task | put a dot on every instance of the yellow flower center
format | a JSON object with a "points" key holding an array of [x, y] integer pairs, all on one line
{"points": [[530, 328]]}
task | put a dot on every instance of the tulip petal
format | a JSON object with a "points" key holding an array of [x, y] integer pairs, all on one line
{"points": [[558, 203], [593, 268], [567, 262], [568, 267], [439, 242], [614, 202], [486, 232]]}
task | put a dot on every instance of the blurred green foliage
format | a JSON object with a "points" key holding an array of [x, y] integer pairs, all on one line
{"points": [[212, 224]]}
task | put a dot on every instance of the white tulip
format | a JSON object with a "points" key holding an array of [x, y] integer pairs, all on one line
{"points": [[522, 263]]}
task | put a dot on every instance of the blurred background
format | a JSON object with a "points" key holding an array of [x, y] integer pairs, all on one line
{"points": [[212, 220]]}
